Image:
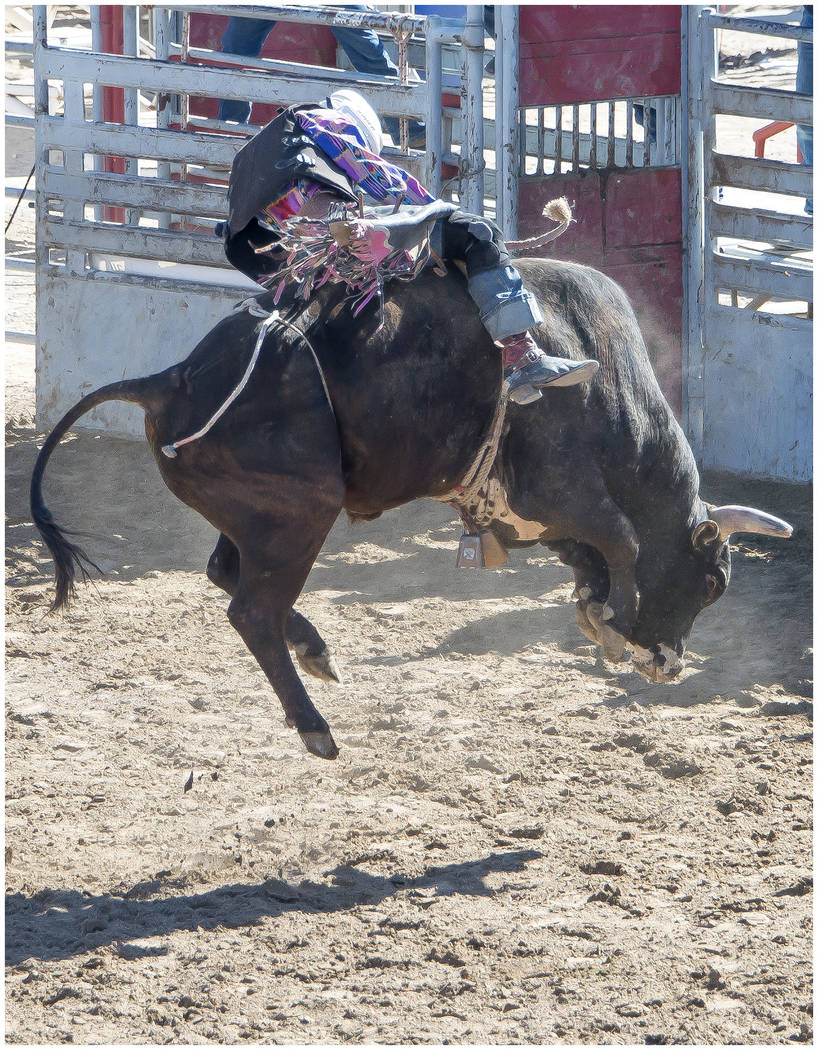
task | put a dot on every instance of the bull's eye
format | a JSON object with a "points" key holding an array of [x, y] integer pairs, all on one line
{"points": [[711, 583]]}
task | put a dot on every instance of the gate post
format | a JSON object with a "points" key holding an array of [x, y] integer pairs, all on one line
{"points": [[472, 108], [434, 116], [693, 231], [113, 99], [507, 97]]}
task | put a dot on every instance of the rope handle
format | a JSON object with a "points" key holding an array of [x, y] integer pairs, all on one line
{"points": [[252, 307], [483, 462]]}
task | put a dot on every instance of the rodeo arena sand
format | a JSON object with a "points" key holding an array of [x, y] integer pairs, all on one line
{"points": [[519, 843]]}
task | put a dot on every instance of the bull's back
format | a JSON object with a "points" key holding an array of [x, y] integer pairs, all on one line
{"points": [[415, 399]]}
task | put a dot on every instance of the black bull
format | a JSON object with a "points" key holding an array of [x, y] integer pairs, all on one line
{"points": [[601, 472]]}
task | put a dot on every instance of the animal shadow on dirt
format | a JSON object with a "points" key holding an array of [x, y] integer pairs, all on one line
{"points": [[59, 924]]}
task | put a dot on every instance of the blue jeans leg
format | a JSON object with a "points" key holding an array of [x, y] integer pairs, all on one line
{"points": [[243, 36], [367, 54], [246, 36]]}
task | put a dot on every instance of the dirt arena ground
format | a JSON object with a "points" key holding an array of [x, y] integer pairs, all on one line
{"points": [[518, 843]]}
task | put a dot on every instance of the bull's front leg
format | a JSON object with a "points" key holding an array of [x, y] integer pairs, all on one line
{"points": [[591, 583], [610, 533]]}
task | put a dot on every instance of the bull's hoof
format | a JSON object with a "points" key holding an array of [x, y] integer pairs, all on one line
{"points": [[613, 643], [321, 666], [594, 612], [320, 744], [585, 624]]}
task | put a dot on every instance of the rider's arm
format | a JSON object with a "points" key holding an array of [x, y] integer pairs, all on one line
{"points": [[367, 171]]}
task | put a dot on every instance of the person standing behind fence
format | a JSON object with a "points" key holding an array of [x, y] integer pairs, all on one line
{"points": [[363, 47]]}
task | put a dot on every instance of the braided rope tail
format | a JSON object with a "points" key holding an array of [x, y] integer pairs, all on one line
{"points": [[558, 211], [270, 319], [402, 35]]}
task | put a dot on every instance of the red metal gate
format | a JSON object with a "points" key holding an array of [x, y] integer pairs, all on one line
{"points": [[587, 74]]}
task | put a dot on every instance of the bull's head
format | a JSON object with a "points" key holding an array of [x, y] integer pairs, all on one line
{"points": [[698, 578]]}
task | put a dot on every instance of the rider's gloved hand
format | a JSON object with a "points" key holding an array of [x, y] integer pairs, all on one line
{"points": [[363, 238]]}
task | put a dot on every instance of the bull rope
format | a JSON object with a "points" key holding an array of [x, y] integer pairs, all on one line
{"points": [[402, 36], [466, 493], [270, 319]]}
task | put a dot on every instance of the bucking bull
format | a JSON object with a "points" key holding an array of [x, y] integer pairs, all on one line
{"points": [[340, 413]]}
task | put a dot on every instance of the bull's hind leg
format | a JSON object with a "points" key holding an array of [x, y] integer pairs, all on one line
{"points": [[311, 650], [258, 611]]}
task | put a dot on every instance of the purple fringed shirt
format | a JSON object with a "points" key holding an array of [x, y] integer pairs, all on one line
{"points": [[341, 141], [343, 144]]}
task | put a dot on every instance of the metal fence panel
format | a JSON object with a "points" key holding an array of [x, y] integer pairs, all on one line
{"points": [[748, 393], [129, 273]]}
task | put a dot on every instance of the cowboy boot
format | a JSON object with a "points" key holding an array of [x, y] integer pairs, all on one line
{"points": [[526, 368]]}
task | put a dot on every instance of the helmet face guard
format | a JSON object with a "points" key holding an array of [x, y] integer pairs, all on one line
{"points": [[356, 109]]}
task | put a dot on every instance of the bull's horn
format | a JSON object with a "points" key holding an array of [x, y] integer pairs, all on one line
{"points": [[748, 519]]}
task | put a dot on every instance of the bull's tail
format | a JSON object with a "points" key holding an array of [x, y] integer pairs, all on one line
{"points": [[69, 559]]}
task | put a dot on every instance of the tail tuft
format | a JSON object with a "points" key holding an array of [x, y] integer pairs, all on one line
{"points": [[70, 560]]}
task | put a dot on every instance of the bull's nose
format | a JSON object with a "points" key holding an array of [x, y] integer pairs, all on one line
{"points": [[668, 662], [661, 664]]}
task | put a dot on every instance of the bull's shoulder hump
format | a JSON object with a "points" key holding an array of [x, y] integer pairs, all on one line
{"points": [[563, 271]]}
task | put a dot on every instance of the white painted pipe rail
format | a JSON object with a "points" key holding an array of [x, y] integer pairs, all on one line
{"points": [[758, 26], [507, 96]]}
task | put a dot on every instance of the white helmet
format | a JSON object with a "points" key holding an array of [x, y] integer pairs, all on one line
{"points": [[363, 116]]}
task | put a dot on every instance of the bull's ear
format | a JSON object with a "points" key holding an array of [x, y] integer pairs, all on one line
{"points": [[704, 535]]}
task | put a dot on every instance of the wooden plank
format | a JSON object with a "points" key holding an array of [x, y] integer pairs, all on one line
{"points": [[739, 331], [753, 173], [386, 21], [642, 209], [764, 103], [758, 394], [752, 276], [758, 26], [168, 284], [166, 245], [765, 226], [153, 194]]}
